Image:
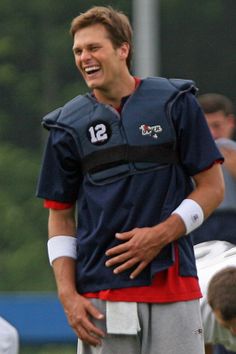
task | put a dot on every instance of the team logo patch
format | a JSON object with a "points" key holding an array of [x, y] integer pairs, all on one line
{"points": [[152, 131], [195, 218], [99, 132]]}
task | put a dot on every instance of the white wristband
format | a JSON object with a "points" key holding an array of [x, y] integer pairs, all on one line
{"points": [[191, 213], [61, 246]]}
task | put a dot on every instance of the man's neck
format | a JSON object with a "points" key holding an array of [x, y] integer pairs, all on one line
{"points": [[114, 95]]}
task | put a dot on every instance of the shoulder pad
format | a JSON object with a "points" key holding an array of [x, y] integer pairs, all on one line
{"points": [[61, 115], [51, 118], [184, 85]]}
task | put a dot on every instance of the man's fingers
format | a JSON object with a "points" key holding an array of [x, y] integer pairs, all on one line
{"points": [[88, 336], [88, 332], [81, 320], [138, 270], [130, 263], [118, 259], [124, 235], [94, 312], [116, 250], [93, 330]]}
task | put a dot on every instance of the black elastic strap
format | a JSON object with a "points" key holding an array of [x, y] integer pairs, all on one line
{"points": [[118, 155]]}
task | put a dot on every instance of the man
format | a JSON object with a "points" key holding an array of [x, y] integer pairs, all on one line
{"points": [[220, 117], [216, 264], [9, 339], [126, 154]]}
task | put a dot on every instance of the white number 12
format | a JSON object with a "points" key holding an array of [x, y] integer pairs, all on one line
{"points": [[98, 133]]}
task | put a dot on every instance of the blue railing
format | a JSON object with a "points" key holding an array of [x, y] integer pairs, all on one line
{"points": [[38, 317]]}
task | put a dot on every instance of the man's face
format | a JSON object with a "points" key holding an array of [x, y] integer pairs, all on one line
{"points": [[221, 126], [230, 324], [96, 58]]}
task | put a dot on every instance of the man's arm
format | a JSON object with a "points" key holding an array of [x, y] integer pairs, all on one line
{"points": [[77, 308], [141, 245], [209, 191]]}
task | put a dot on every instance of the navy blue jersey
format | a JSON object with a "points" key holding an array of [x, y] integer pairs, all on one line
{"points": [[139, 200]]}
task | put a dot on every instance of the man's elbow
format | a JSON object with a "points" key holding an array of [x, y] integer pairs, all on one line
{"points": [[218, 185], [220, 191]]}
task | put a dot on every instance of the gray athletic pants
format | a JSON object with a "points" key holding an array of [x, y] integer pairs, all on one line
{"points": [[173, 328]]}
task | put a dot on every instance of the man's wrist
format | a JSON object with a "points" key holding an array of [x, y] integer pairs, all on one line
{"points": [[191, 213], [61, 246]]}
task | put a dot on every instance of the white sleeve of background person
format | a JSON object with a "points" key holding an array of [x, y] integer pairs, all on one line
{"points": [[61, 246], [191, 213], [9, 338]]}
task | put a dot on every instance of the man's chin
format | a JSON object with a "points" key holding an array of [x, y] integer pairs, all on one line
{"points": [[93, 84]]}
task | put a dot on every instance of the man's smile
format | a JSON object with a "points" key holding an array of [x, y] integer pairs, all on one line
{"points": [[89, 70]]}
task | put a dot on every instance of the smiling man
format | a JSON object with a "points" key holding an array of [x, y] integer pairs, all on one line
{"points": [[99, 63], [117, 177]]}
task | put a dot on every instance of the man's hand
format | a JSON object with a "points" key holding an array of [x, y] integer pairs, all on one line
{"points": [[80, 312], [141, 245]]}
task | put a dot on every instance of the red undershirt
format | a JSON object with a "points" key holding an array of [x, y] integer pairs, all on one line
{"points": [[167, 285]]}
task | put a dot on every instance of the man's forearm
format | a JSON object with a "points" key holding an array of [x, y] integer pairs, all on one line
{"points": [[61, 222], [209, 191], [64, 271]]}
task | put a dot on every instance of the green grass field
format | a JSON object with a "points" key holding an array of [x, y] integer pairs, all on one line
{"points": [[48, 349]]}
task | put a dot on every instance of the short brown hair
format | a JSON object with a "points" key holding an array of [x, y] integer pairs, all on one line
{"points": [[116, 23], [215, 102], [221, 293]]}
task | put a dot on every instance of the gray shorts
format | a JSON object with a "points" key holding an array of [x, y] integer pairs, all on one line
{"points": [[172, 328]]}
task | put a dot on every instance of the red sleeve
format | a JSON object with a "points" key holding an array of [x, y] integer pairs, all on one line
{"points": [[52, 204]]}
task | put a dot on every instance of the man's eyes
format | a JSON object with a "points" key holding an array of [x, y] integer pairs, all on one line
{"points": [[94, 48], [77, 51]]}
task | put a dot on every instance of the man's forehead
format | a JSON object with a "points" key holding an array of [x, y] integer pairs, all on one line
{"points": [[94, 31], [81, 40]]}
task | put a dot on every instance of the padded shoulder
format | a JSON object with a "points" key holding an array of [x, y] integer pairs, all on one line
{"points": [[63, 115], [184, 85], [172, 84], [51, 118]]}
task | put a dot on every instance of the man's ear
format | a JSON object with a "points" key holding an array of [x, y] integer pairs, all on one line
{"points": [[124, 50]]}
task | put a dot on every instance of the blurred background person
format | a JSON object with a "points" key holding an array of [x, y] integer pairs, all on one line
{"points": [[218, 312], [216, 264], [221, 225], [219, 113]]}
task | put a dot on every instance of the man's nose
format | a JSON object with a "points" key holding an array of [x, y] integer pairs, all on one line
{"points": [[85, 55]]}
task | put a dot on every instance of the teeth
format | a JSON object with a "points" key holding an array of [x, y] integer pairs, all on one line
{"points": [[91, 68]]}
